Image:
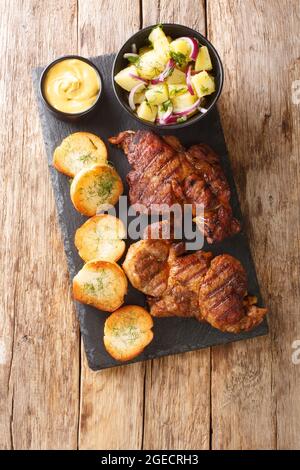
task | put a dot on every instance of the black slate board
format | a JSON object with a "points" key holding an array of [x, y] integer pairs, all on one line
{"points": [[171, 335]]}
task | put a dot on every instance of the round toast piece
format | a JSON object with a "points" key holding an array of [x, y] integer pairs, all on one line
{"points": [[77, 151], [93, 188], [127, 332], [100, 237], [101, 284]]}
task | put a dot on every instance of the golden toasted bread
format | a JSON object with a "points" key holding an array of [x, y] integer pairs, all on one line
{"points": [[77, 151], [127, 332], [100, 237], [102, 284], [94, 187]]}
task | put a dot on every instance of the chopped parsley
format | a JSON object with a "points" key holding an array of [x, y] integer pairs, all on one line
{"points": [[177, 91], [179, 58], [166, 105], [102, 187], [204, 89], [182, 119], [132, 59], [93, 287], [127, 333], [87, 158]]}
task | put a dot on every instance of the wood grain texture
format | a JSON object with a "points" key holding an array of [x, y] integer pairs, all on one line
{"points": [[253, 401], [111, 409], [255, 386], [177, 402], [188, 12], [39, 332], [175, 396]]}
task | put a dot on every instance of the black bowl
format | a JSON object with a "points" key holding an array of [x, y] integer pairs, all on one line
{"points": [[175, 31], [60, 114]]}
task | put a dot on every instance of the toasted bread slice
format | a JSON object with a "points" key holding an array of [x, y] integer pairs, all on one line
{"points": [[100, 237], [77, 151], [102, 284], [127, 332], [94, 187]]}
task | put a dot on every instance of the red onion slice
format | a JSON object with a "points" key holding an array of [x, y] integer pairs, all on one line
{"points": [[132, 93], [194, 46], [166, 115], [188, 80], [172, 119], [189, 110], [168, 70], [137, 77]]}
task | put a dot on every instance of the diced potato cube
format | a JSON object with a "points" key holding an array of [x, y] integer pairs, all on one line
{"points": [[158, 38], [124, 78], [147, 111], [184, 101], [157, 94], [203, 83], [203, 61], [150, 65], [139, 97], [177, 89], [180, 50], [160, 42], [176, 77], [182, 46], [157, 35]]}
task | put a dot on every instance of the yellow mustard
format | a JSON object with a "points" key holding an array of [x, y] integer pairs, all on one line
{"points": [[71, 86]]}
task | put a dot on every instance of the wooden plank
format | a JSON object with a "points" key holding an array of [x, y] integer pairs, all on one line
{"points": [[111, 411], [177, 402], [255, 386], [177, 388], [188, 12], [39, 332]]}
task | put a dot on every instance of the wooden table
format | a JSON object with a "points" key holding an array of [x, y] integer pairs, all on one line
{"points": [[242, 396]]}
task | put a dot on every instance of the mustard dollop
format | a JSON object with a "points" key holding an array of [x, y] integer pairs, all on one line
{"points": [[71, 86]]}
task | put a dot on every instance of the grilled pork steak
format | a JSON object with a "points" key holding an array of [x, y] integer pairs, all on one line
{"points": [[194, 285], [163, 172]]}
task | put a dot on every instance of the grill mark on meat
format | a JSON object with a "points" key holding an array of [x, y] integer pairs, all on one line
{"points": [[195, 272], [157, 163], [211, 290], [160, 179], [233, 279], [155, 167]]}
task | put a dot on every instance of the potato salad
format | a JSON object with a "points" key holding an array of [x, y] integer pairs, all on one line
{"points": [[167, 81]]}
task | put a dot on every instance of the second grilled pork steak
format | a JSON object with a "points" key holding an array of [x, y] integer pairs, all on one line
{"points": [[164, 173], [171, 282], [223, 297], [194, 285]]}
